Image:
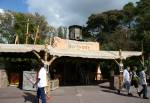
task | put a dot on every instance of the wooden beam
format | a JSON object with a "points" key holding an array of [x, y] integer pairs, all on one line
{"points": [[45, 61], [27, 32], [36, 35], [17, 39], [120, 64], [142, 54], [39, 57]]}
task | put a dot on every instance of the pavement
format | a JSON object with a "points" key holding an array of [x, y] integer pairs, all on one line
{"points": [[74, 94]]}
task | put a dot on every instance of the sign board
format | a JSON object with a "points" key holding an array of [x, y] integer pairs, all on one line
{"points": [[29, 78], [72, 44]]}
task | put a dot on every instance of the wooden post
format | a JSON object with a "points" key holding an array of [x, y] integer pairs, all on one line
{"points": [[17, 39], [46, 64], [27, 32], [47, 89], [98, 73], [121, 71], [149, 65], [50, 41], [64, 73], [112, 77], [142, 54], [37, 31], [121, 64], [46, 51]]}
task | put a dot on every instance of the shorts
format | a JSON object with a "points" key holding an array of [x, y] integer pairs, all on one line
{"points": [[127, 85], [134, 83]]}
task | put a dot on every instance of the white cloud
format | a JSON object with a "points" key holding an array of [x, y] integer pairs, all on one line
{"points": [[1, 11], [70, 12]]}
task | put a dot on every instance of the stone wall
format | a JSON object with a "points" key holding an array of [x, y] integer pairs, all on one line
{"points": [[3, 78]]}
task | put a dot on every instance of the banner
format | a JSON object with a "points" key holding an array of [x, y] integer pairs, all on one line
{"points": [[72, 44]]}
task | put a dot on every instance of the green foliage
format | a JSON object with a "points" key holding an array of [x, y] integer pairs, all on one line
{"points": [[9, 30], [146, 42], [143, 16], [62, 32], [106, 20], [34, 20], [103, 24], [20, 26], [129, 11], [143, 27], [119, 39], [6, 28], [125, 29]]}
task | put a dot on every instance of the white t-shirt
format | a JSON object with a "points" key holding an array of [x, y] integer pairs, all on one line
{"points": [[126, 76], [42, 76], [143, 78]]}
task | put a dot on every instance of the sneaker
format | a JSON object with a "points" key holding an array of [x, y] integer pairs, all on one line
{"points": [[118, 91], [130, 94], [145, 97]]}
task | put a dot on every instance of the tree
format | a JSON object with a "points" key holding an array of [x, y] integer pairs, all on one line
{"points": [[20, 26], [143, 16], [6, 27], [103, 24], [142, 24], [109, 20], [129, 11], [120, 39], [62, 32], [14, 24], [146, 42]]}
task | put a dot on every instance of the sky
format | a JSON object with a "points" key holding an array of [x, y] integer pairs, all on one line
{"points": [[63, 12]]}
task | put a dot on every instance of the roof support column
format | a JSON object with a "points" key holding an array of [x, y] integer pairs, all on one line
{"points": [[120, 76], [46, 65], [98, 73]]}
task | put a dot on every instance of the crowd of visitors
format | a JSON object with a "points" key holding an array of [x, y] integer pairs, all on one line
{"points": [[130, 78]]}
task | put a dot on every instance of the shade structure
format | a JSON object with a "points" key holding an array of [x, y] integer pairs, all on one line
{"points": [[23, 48], [20, 48], [92, 54]]}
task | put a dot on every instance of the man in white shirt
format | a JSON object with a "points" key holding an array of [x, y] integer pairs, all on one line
{"points": [[127, 80], [41, 83], [143, 83]]}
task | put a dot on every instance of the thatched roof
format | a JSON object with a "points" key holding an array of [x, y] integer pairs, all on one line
{"points": [[23, 48], [20, 48], [93, 54]]}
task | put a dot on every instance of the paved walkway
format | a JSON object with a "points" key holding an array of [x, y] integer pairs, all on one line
{"points": [[73, 94]]}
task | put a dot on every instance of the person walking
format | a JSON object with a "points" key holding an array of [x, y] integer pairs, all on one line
{"points": [[143, 82], [127, 80], [41, 83], [135, 79]]}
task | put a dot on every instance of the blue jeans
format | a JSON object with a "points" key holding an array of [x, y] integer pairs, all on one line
{"points": [[41, 93], [144, 90], [127, 86]]}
